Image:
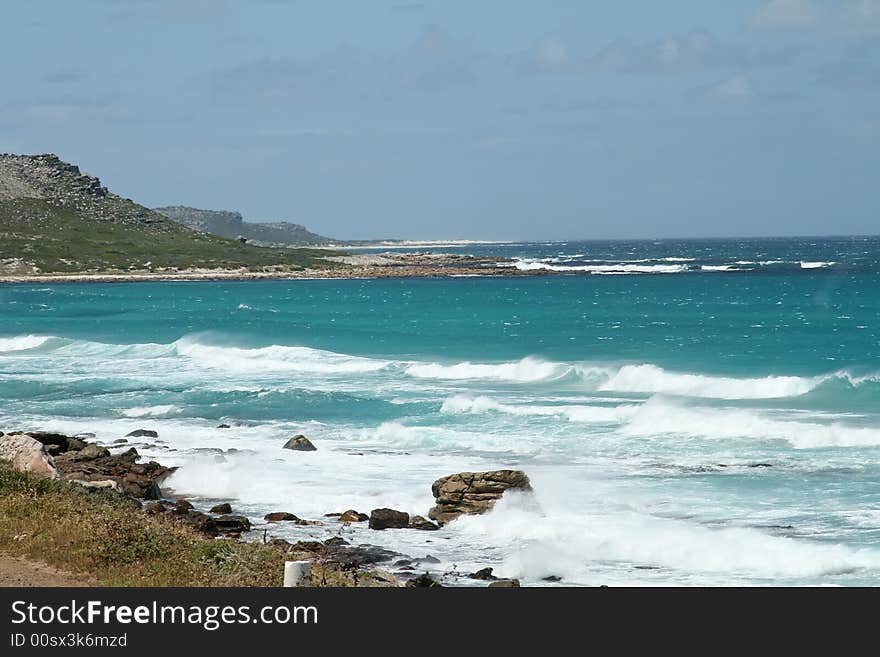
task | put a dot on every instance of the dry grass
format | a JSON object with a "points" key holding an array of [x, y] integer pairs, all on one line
{"points": [[101, 534]]}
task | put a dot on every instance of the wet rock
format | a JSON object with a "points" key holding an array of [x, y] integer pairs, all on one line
{"points": [[551, 578], [418, 522], [280, 516], [484, 574], [120, 441], [388, 519], [223, 426], [336, 541], [473, 492], [142, 433], [300, 443], [205, 524], [760, 465], [504, 584], [423, 581], [353, 516], [27, 455], [231, 524], [225, 507]]}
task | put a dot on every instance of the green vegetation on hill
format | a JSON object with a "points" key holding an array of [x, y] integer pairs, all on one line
{"points": [[54, 218], [38, 233], [103, 536]]}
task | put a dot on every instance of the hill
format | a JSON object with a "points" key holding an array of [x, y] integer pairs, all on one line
{"points": [[54, 218], [232, 225]]}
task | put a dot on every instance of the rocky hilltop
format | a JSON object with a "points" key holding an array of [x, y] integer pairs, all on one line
{"points": [[56, 219], [232, 225]]}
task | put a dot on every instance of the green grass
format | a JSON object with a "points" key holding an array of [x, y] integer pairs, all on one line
{"points": [[101, 536], [60, 239]]}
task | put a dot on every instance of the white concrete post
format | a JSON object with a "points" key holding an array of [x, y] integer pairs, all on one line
{"points": [[297, 573]]}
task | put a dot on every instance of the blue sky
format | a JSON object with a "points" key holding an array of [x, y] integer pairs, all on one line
{"points": [[454, 119]]}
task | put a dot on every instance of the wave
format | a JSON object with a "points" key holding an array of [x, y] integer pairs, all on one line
{"points": [[652, 379], [22, 342], [736, 267], [660, 418], [277, 358], [560, 540], [151, 411], [816, 265], [527, 370], [460, 404], [623, 268]]}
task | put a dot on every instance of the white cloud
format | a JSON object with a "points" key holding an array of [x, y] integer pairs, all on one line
{"points": [[842, 18], [736, 89], [787, 15]]}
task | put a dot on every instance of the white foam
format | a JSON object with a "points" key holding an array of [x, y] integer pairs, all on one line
{"points": [[277, 358], [816, 265], [662, 419], [22, 342], [527, 370], [623, 268], [571, 542], [460, 404], [652, 379], [151, 411]]}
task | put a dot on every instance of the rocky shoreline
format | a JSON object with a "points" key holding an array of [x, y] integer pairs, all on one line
{"points": [[398, 265], [116, 468]]}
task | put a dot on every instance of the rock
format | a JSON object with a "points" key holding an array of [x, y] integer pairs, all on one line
{"points": [[205, 524], [27, 455], [551, 578], [388, 519], [106, 484], [136, 479], [225, 507], [423, 581], [353, 516], [473, 492], [504, 584], [418, 522], [57, 442], [483, 574], [231, 524], [300, 443], [280, 516], [155, 508], [182, 507], [91, 451], [120, 441], [223, 426], [142, 433], [336, 541]]}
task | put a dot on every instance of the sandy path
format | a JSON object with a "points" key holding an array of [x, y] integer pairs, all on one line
{"points": [[18, 571]]}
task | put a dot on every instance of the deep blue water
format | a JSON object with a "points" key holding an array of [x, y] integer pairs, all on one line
{"points": [[708, 409]]}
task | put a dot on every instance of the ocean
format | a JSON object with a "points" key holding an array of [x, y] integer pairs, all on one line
{"points": [[689, 412]]}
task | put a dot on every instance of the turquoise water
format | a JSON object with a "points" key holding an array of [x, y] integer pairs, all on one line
{"points": [[689, 412]]}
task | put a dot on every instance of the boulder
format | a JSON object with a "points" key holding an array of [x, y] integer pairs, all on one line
{"points": [[231, 524], [27, 455], [136, 479], [484, 574], [423, 581], [225, 507], [182, 507], [300, 443], [91, 451], [353, 516], [473, 492], [388, 519], [142, 433], [280, 516], [504, 584], [418, 522]]}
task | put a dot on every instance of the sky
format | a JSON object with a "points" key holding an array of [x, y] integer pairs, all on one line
{"points": [[461, 119]]}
